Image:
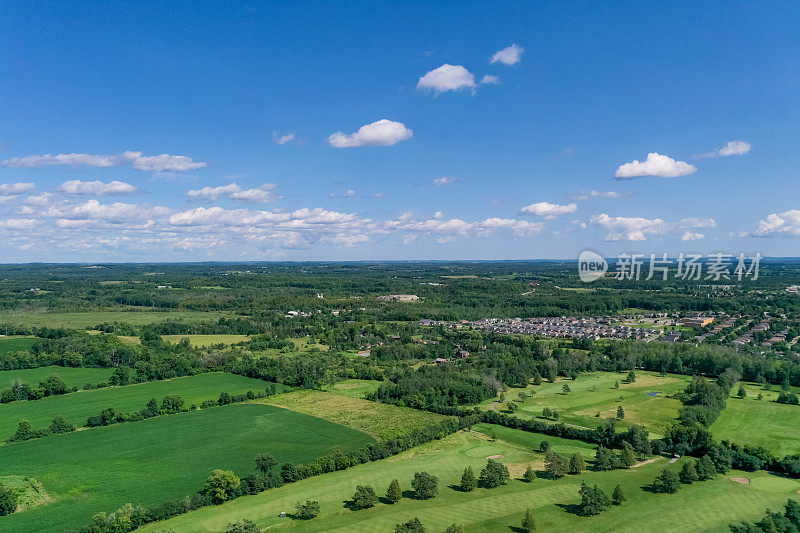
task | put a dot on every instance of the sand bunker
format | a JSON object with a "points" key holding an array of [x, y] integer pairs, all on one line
{"points": [[742, 480]]}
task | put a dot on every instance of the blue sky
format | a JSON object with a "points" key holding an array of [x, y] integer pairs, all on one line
{"points": [[231, 131]]}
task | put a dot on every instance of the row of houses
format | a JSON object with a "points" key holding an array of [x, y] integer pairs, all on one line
{"points": [[576, 328]]}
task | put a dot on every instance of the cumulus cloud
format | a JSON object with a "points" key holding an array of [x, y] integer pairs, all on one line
{"points": [[155, 163], [549, 211], [15, 188], [640, 229], [18, 223], [96, 188], [655, 165], [447, 78], [585, 195], [490, 80], [444, 180], [234, 191], [785, 224], [692, 236], [381, 133], [730, 148], [509, 55], [283, 139], [117, 212]]}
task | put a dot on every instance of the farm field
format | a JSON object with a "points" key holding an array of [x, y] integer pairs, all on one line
{"points": [[760, 422], [380, 420], [708, 506], [15, 343], [82, 320], [152, 461], [73, 377], [207, 340], [76, 407], [354, 388], [644, 401]]}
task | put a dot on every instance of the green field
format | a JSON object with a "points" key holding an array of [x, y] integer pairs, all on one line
{"points": [[16, 343], [207, 340], [760, 422], [354, 388], [707, 506], [73, 377], [76, 407], [594, 393], [528, 441], [82, 320], [158, 459], [380, 420]]}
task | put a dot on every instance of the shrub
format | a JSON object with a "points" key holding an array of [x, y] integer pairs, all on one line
{"points": [[426, 486], [307, 510]]}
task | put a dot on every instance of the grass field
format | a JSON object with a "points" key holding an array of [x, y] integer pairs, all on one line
{"points": [[15, 343], [594, 393], [528, 441], [73, 377], [88, 319], [207, 340], [380, 420], [708, 506], [158, 459], [354, 388], [76, 407], [760, 422]]}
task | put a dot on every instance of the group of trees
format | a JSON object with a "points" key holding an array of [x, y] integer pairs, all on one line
{"points": [[22, 390], [787, 521], [26, 431]]}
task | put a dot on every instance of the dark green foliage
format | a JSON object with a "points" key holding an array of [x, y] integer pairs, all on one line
{"points": [[493, 475], [565, 389], [604, 459], [8, 500], [742, 393], [172, 404], [307, 510], [593, 500], [618, 496], [555, 464], [364, 497], [667, 482], [468, 481], [544, 446], [689, 473], [576, 464], [788, 521], [24, 431], [620, 413], [60, 425], [454, 528], [426, 486], [706, 468], [627, 457], [412, 526], [265, 463], [789, 398], [245, 526], [631, 377], [529, 474], [221, 485], [394, 494], [528, 522]]}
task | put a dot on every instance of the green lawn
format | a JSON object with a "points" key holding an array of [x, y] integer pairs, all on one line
{"points": [[207, 340], [73, 377], [529, 441], [158, 459], [354, 388], [760, 422], [81, 320], [707, 506], [76, 407], [594, 393], [16, 343]]}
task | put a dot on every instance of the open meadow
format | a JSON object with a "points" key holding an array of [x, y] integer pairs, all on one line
{"points": [[158, 459], [76, 407], [73, 377], [87, 319], [207, 340], [16, 343], [707, 506]]}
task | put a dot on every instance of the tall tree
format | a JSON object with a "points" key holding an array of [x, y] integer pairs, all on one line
{"points": [[593, 500], [667, 482], [604, 459], [555, 464], [493, 474], [528, 522], [529, 475], [576, 464], [393, 493], [689, 473], [468, 480], [364, 497], [426, 486], [618, 496]]}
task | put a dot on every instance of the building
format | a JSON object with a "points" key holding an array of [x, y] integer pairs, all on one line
{"points": [[399, 298], [696, 321]]}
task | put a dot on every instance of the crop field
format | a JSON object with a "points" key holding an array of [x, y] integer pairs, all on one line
{"points": [[76, 407], [73, 377], [760, 422], [152, 461], [83, 320], [643, 401], [380, 420], [16, 344], [707, 506], [354, 388], [207, 340]]}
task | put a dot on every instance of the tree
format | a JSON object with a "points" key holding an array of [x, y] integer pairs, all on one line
{"points": [[455, 528], [307, 510], [493, 474], [627, 457], [620, 413], [555, 464], [618, 496], [393, 493], [53, 385], [24, 431], [667, 482], [60, 425], [8, 500], [468, 481], [364, 497], [265, 463], [221, 484], [742, 393], [544, 446], [426, 486], [616, 384], [529, 475], [245, 526], [511, 407], [604, 459], [576, 464], [412, 526], [705, 468], [785, 385], [593, 500], [760, 396], [631, 377], [689, 473], [565, 389], [528, 522], [172, 404]]}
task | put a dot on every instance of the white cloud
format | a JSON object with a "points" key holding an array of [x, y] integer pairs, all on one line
{"points": [[655, 165], [692, 236], [381, 133], [97, 188], [548, 210], [444, 180], [447, 78], [118, 212], [585, 195], [520, 228], [509, 55], [283, 139], [346, 194], [263, 194], [785, 224], [156, 163], [640, 229], [730, 148], [15, 188], [18, 223], [490, 80]]}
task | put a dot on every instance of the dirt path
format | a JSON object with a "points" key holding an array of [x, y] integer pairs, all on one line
{"points": [[653, 460]]}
